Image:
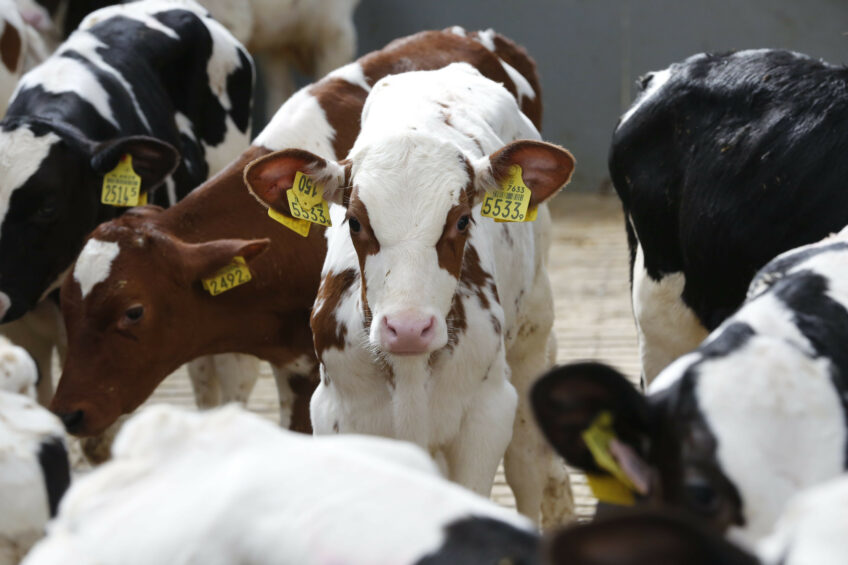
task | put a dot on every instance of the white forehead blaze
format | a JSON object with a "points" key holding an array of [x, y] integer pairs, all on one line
{"points": [[21, 155], [94, 263], [778, 422], [408, 185]]}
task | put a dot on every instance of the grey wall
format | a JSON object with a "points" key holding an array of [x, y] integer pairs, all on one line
{"points": [[590, 52]]}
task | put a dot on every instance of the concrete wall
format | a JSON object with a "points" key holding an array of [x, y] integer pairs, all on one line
{"points": [[590, 52]]}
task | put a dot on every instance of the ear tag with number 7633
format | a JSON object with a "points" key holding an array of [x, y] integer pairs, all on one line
{"points": [[235, 274], [510, 203], [122, 186], [306, 201]]}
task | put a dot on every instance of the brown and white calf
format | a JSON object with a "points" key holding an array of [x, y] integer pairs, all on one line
{"points": [[426, 309], [143, 312]]}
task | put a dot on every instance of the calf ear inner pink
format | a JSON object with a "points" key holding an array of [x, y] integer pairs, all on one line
{"points": [[546, 168]]}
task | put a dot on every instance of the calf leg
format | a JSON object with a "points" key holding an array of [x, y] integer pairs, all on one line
{"points": [[237, 374], [474, 455], [207, 391], [666, 327]]}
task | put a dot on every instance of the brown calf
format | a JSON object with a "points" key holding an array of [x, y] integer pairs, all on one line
{"points": [[134, 305]]}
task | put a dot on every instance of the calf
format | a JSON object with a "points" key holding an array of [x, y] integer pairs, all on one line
{"points": [[278, 497], [147, 285], [722, 163], [425, 308], [21, 48], [34, 468], [730, 431], [153, 80]]}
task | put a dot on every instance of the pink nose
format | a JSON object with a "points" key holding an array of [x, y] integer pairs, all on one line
{"points": [[407, 333]]}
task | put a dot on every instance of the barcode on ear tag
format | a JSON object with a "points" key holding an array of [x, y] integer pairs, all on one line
{"points": [[510, 203], [235, 274], [121, 185], [300, 227]]}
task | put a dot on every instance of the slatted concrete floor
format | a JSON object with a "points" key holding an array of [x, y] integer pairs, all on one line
{"points": [[593, 318]]}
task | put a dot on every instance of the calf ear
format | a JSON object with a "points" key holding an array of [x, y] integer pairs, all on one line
{"points": [[202, 260], [568, 400], [152, 159], [269, 177], [545, 168], [640, 538]]}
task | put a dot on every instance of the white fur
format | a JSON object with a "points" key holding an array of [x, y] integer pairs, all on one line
{"points": [[25, 510], [658, 306], [229, 487], [353, 74], [94, 264], [18, 372], [301, 123], [408, 171], [812, 530]]}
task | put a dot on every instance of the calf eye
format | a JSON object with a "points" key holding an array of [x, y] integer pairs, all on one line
{"points": [[134, 313], [702, 497], [354, 224], [462, 223]]}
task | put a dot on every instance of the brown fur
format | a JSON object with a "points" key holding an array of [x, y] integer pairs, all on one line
{"points": [[10, 47]]}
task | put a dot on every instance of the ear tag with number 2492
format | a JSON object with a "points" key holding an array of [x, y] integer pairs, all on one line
{"points": [[235, 274], [511, 202], [122, 186]]}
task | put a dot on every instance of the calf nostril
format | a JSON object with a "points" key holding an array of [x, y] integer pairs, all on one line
{"points": [[392, 331], [428, 329], [72, 420]]}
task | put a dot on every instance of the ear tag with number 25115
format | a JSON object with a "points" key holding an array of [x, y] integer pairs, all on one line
{"points": [[122, 186], [511, 202], [235, 274], [617, 489]]}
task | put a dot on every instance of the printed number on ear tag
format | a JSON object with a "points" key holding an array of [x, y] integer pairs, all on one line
{"points": [[122, 186], [510, 203], [231, 276], [607, 489], [306, 201]]}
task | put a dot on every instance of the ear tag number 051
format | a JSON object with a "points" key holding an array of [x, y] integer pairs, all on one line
{"points": [[122, 186], [306, 201], [617, 489], [510, 203], [231, 276]]}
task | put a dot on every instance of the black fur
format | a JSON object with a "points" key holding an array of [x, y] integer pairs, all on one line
{"points": [[485, 541], [55, 467], [735, 160]]}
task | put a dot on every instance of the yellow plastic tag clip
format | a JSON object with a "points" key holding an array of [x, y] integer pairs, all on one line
{"points": [[235, 274], [300, 227], [510, 204], [122, 186], [617, 489]]}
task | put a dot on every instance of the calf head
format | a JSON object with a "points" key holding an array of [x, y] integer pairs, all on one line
{"points": [[134, 311], [50, 185], [409, 207], [662, 443]]}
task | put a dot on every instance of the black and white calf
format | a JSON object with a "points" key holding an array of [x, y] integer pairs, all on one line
{"points": [[226, 486], [157, 80], [722, 163], [733, 429], [34, 467]]}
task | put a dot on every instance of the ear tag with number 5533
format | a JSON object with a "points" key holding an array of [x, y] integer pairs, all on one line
{"points": [[510, 203], [122, 186], [306, 201]]}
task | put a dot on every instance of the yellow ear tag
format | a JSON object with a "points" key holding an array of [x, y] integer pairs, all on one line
{"points": [[121, 186], [300, 227], [597, 438], [231, 276], [509, 204]]}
